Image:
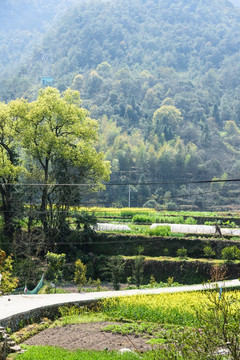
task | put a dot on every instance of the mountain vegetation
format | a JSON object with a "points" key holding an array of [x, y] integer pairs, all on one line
{"points": [[160, 78]]}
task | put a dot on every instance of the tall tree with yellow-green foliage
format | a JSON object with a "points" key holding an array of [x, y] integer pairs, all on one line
{"points": [[50, 141], [58, 131], [10, 163]]}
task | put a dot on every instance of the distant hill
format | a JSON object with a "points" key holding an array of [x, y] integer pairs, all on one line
{"points": [[22, 25], [30, 14], [143, 35]]}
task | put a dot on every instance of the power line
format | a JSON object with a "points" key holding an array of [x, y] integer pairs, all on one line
{"points": [[128, 184], [74, 208], [89, 204], [137, 240]]}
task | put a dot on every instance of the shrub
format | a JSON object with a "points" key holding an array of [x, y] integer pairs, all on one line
{"points": [[166, 252], [179, 220], [151, 204], [231, 224], [176, 219], [161, 230], [115, 267], [171, 206], [219, 320], [208, 251], [182, 253], [8, 282], [70, 311], [49, 289], [231, 253], [190, 221], [55, 263], [127, 214], [169, 219], [97, 283], [208, 223], [142, 219], [80, 274], [160, 219], [152, 281], [170, 280], [138, 267]]}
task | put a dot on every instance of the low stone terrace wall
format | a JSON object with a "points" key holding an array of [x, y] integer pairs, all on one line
{"points": [[7, 345], [17, 321]]}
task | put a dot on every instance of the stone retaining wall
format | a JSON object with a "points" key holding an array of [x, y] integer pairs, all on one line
{"points": [[18, 321], [7, 345]]}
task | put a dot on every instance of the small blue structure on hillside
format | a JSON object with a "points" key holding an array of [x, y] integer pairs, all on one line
{"points": [[47, 81]]}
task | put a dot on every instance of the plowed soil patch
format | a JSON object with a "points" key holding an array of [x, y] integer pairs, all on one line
{"points": [[88, 336]]}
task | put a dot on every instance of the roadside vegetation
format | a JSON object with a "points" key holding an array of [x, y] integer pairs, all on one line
{"points": [[53, 353], [196, 325]]}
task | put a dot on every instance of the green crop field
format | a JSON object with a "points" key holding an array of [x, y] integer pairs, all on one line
{"points": [[176, 324]]}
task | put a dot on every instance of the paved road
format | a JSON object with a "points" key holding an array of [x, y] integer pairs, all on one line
{"points": [[19, 304]]}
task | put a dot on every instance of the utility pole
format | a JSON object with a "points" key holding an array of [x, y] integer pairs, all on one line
{"points": [[129, 196]]}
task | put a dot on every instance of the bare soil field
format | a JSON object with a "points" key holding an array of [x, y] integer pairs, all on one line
{"points": [[88, 336]]}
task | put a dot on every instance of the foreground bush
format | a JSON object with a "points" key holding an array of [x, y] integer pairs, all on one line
{"points": [[218, 335]]}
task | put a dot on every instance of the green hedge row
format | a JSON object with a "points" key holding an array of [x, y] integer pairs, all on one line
{"points": [[150, 219]]}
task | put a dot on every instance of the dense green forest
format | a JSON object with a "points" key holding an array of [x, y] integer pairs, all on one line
{"points": [[161, 78]]}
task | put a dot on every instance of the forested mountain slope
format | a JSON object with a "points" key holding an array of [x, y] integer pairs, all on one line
{"points": [[22, 24], [162, 78]]}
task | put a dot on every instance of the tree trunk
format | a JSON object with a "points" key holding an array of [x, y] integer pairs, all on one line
{"points": [[8, 213], [44, 199]]}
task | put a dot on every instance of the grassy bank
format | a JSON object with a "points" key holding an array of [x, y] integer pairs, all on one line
{"points": [[54, 353]]}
